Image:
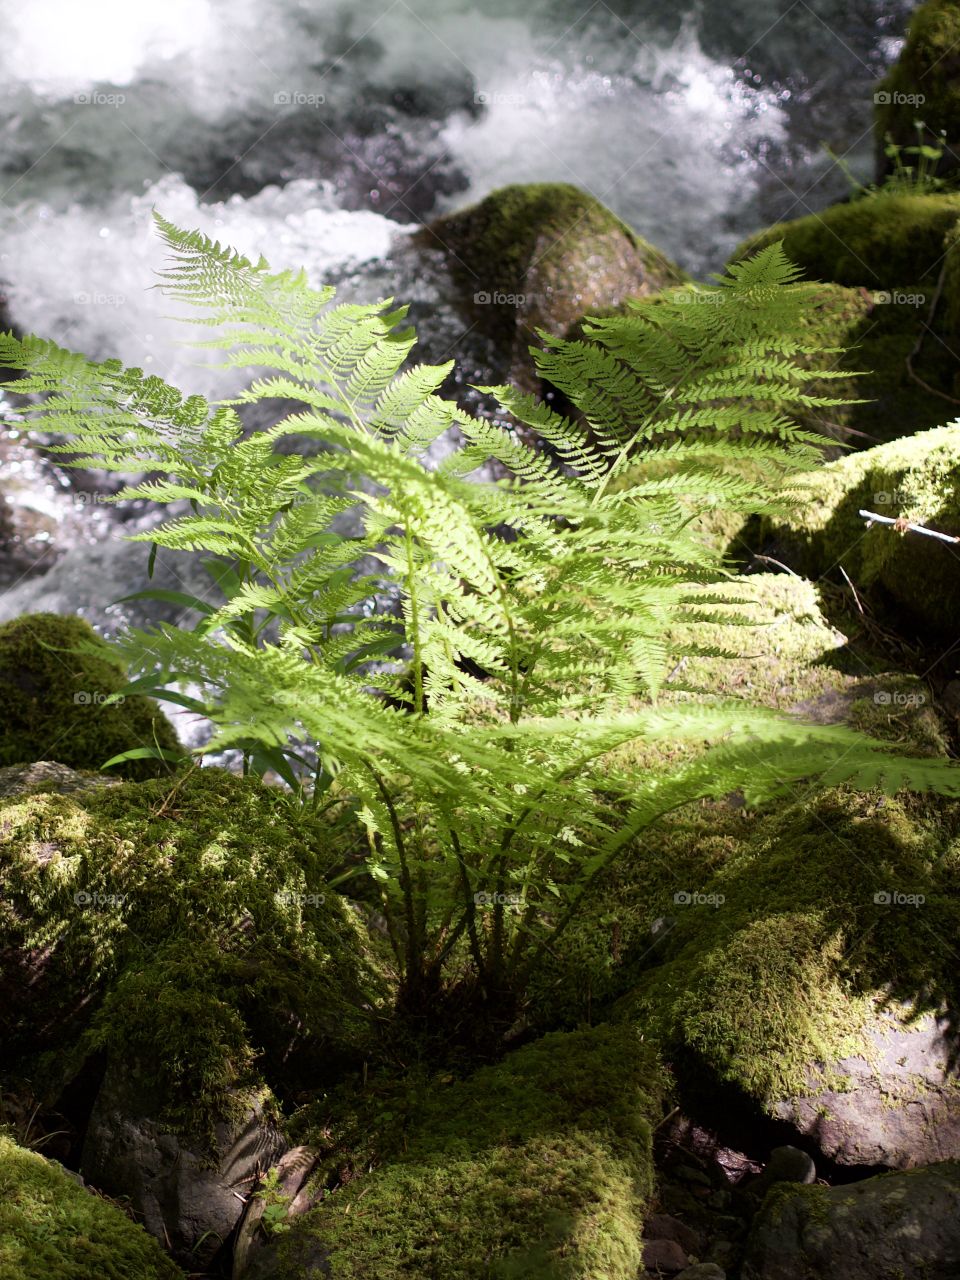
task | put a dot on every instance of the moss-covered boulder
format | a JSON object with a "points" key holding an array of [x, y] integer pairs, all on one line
{"points": [[924, 83], [912, 579], [538, 256], [882, 242], [53, 699], [784, 654], [539, 1167], [897, 357], [891, 1227], [184, 924], [53, 1229], [814, 963]]}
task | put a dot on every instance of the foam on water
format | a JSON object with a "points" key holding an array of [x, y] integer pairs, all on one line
{"points": [[83, 276]]}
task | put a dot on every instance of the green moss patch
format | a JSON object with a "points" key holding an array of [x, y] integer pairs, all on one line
{"points": [[879, 242], [184, 923], [52, 699], [928, 69], [777, 959], [537, 256], [908, 575], [52, 1229], [539, 1167]]}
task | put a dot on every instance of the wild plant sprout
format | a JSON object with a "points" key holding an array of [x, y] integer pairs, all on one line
{"points": [[530, 639]]}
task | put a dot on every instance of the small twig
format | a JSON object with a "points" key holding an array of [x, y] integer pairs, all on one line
{"points": [[852, 587], [779, 563], [905, 526]]}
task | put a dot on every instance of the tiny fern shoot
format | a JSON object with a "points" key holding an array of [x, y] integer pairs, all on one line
{"points": [[463, 655]]}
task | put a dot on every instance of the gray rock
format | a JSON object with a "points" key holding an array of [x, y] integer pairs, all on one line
{"points": [[188, 1202], [664, 1256], [897, 1225], [662, 1226], [47, 775], [896, 1103], [786, 1164]]}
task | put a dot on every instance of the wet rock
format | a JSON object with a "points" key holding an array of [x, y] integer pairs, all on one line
{"points": [[540, 256]]}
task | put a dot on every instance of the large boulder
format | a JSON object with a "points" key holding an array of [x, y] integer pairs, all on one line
{"points": [[184, 924], [541, 1165], [538, 256], [884, 242], [181, 1195], [923, 84], [783, 653], [808, 979], [51, 1228], [55, 677], [884, 1228], [912, 578]]}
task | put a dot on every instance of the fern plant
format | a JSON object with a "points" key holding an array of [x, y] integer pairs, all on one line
{"points": [[472, 723]]}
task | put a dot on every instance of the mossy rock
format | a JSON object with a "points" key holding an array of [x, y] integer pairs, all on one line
{"points": [[881, 242], [781, 959], [52, 695], [539, 1167], [792, 659], [912, 579], [52, 1229], [880, 333], [538, 256], [924, 83], [184, 923]]}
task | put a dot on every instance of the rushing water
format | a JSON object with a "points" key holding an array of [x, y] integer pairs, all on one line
{"points": [[320, 131]]}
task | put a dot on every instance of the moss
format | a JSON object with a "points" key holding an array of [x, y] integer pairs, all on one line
{"points": [[880, 242], [908, 575], [539, 1167], [790, 659], [538, 255], [184, 923], [52, 1229], [52, 699], [784, 972], [929, 69], [879, 337]]}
